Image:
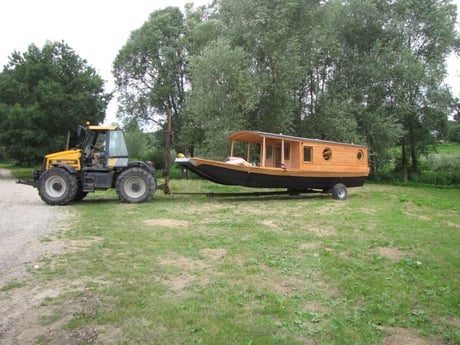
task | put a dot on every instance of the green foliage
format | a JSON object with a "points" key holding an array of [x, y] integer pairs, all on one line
{"points": [[453, 133], [223, 94], [359, 71], [43, 94], [443, 163], [438, 178], [438, 167], [272, 33], [442, 179], [150, 69]]}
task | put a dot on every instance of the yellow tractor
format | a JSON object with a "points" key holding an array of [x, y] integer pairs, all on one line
{"points": [[100, 162]]}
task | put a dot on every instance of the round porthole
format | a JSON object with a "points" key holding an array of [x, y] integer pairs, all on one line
{"points": [[327, 153], [360, 155]]}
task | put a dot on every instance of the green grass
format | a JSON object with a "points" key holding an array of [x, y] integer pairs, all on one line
{"points": [[23, 173], [187, 269], [447, 148], [14, 284]]}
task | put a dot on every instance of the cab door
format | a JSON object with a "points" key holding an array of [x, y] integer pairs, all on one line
{"points": [[118, 156]]}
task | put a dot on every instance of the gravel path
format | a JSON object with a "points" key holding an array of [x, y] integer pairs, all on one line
{"points": [[24, 220]]}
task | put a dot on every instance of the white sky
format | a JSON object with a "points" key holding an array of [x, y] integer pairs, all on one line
{"points": [[97, 29]]}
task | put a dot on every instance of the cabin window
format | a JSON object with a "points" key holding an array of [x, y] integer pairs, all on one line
{"points": [[287, 151], [307, 153], [360, 155], [327, 153], [269, 154]]}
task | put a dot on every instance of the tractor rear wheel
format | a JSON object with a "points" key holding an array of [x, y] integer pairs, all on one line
{"points": [[135, 185], [57, 186]]}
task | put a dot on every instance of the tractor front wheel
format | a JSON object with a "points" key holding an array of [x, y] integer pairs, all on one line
{"points": [[135, 185], [57, 186]]}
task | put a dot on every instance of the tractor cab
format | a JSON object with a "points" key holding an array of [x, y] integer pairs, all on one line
{"points": [[104, 147]]}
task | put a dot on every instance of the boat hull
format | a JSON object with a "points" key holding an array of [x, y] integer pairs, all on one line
{"points": [[255, 177]]}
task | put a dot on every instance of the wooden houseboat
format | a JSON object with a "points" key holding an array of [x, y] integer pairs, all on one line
{"points": [[267, 160]]}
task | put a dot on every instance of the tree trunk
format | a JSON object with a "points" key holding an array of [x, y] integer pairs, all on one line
{"points": [[404, 159], [413, 153]]}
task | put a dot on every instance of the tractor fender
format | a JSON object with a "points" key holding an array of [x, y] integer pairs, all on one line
{"points": [[142, 165], [68, 168]]}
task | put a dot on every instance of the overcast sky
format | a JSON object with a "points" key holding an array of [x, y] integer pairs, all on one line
{"points": [[96, 30]]}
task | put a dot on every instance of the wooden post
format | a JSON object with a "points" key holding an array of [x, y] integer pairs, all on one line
{"points": [[262, 161], [283, 165], [67, 142], [169, 137]]}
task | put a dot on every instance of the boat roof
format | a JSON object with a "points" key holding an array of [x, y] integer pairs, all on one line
{"points": [[257, 136]]}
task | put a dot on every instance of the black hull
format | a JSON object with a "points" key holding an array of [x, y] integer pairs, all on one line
{"points": [[257, 180]]}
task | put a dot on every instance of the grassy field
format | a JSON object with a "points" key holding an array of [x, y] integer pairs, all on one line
{"points": [[382, 267]]}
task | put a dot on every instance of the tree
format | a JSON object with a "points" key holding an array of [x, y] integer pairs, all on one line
{"points": [[223, 94], [362, 71], [44, 93], [150, 69], [390, 70], [268, 31], [360, 78], [453, 133], [425, 35]]}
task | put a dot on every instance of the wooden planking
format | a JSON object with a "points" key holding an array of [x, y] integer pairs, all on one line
{"points": [[343, 158]]}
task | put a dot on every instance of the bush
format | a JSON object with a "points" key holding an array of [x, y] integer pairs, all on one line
{"points": [[453, 133], [442, 163], [438, 178], [433, 178]]}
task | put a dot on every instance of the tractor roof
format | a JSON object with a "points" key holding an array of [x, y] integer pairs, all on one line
{"points": [[103, 128]]}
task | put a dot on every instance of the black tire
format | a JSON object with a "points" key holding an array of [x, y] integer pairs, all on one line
{"points": [[339, 191], [80, 195], [57, 186], [135, 185]]}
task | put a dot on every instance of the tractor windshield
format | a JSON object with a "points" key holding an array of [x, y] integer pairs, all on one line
{"points": [[117, 144]]}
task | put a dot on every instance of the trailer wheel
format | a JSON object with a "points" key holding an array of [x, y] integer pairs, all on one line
{"points": [[57, 186], [339, 191], [135, 185]]}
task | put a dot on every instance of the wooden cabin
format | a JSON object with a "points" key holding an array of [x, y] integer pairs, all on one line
{"points": [[268, 150]]}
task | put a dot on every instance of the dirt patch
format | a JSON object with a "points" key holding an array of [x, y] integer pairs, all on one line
{"points": [[308, 246], [330, 208], [454, 322], [403, 336], [313, 306], [188, 272], [318, 228], [285, 286], [269, 223], [213, 254], [414, 211], [185, 264], [450, 224], [28, 316], [169, 223], [83, 335], [393, 254]]}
